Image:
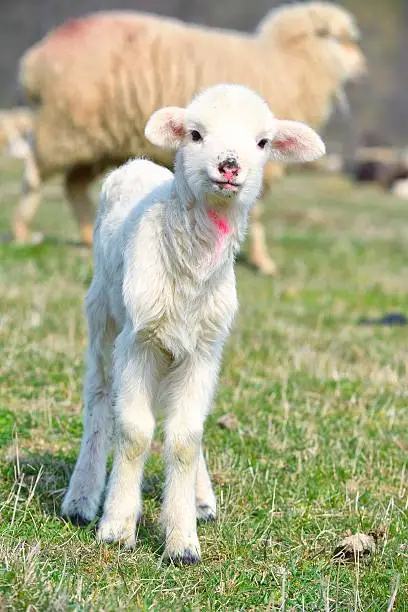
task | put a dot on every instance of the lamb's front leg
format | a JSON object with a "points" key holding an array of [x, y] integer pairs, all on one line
{"points": [[189, 388], [135, 379]]}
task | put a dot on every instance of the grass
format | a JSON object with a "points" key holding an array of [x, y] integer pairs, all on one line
{"points": [[321, 443]]}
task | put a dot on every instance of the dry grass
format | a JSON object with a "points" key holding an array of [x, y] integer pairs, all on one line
{"points": [[319, 446]]}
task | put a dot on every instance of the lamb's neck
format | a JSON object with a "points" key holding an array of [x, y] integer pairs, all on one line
{"points": [[201, 237]]}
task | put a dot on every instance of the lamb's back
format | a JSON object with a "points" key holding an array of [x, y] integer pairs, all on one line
{"points": [[127, 193]]}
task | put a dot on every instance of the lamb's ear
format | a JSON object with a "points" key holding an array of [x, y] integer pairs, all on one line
{"points": [[165, 127], [295, 142]]}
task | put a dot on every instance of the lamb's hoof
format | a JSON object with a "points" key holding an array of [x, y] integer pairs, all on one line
{"points": [[80, 510], [183, 550], [186, 557], [205, 513], [77, 519], [115, 531]]}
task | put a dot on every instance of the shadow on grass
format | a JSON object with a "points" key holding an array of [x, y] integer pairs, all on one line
{"points": [[50, 476], [242, 260], [7, 238]]}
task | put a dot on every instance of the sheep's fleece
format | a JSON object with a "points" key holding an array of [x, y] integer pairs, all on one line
{"points": [[94, 82]]}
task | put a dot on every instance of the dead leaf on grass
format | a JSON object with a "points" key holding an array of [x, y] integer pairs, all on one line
{"points": [[354, 547], [228, 421]]}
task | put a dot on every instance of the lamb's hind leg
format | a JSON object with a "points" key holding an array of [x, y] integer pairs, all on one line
{"points": [[87, 483], [77, 183]]}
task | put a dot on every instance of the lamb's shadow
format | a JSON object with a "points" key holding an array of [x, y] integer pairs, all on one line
{"points": [[46, 477], [77, 244], [49, 475], [242, 260]]}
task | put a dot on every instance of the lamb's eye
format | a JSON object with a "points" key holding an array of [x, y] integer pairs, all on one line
{"points": [[262, 143], [196, 136]]}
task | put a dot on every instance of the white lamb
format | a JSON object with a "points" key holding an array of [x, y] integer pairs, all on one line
{"points": [[162, 302]]}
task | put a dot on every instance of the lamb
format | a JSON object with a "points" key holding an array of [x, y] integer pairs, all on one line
{"points": [[161, 304], [93, 98]]}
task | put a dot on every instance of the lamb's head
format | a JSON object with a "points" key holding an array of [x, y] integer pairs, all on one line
{"points": [[223, 139], [327, 29]]}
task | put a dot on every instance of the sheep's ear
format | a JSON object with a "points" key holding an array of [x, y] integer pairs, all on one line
{"points": [[295, 142], [165, 127]]}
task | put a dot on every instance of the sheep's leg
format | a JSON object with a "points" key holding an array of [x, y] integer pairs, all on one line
{"points": [[82, 500], [77, 183], [258, 251], [135, 368], [28, 204], [205, 499], [190, 388], [274, 172]]}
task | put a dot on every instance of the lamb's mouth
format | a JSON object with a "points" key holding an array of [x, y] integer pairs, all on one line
{"points": [[227, 186]]}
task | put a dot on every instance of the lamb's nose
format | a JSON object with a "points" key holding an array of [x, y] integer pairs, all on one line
{"points": [[229, 168]]}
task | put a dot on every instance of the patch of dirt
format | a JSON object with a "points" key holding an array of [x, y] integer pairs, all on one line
{"points": [[228, 421]]}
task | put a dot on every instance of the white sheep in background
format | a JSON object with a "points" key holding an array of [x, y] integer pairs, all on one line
{"points": [[94, 82], [162, 302]]}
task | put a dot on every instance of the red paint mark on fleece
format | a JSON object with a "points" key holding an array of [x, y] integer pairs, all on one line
{"points": [[73, 35], [72, 28], [221, 223]]}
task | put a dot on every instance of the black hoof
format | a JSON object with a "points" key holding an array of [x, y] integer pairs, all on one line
{"points": [[77, 519], [205, 513], [188, 557]]}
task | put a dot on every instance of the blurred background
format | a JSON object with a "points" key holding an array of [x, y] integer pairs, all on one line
{"points": [[380, 103]]}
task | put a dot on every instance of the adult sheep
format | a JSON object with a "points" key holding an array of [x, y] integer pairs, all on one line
{"points": [[96, 80]]}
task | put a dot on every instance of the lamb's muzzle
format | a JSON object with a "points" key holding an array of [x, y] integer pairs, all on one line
{"points": [[162, 302]]}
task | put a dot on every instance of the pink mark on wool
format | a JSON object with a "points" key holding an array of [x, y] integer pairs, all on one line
{"points": [[72, 35], [221, 223], [72, 28]]}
